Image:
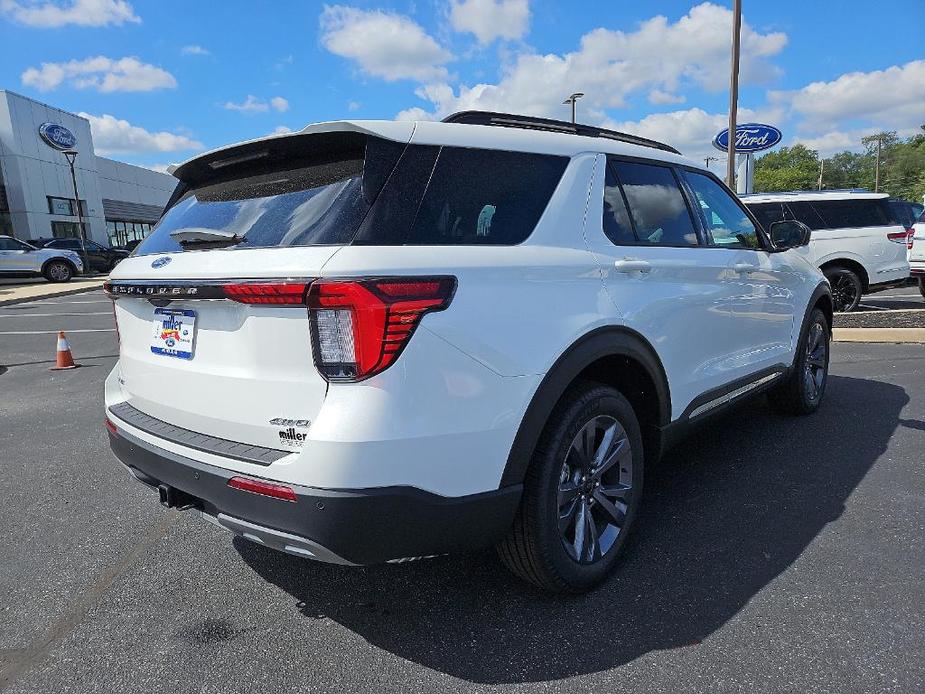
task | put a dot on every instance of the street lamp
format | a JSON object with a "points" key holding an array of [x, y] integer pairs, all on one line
{"points": [[71, 156], [573, 99]]}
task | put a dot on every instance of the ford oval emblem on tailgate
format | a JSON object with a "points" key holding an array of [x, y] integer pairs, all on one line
{"points": [[160, 262]]}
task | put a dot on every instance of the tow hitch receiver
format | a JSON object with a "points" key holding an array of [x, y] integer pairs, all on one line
{"points": [[171, 497]]}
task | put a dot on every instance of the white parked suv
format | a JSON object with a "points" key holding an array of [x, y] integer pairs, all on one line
{"points": [[380, 341], [20, 259], [917, 253], [857, 241]]}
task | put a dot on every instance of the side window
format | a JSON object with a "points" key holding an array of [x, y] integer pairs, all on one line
{"points": [[657, 206], [480, 196], [805, 211], [841, 214], [8, 245], [616, 222], [726, 221]]}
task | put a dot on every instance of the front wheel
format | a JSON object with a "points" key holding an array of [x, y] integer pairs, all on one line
{"points": [[802, 392], [846, 289], [581, 493], [58, 271]]}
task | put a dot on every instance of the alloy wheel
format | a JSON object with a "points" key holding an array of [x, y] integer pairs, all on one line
{"points": [[595, 489], [58, 271], [844, 293], [815, 364]]}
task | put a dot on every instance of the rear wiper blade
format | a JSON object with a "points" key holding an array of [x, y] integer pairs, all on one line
{"points": [[200, 235]]}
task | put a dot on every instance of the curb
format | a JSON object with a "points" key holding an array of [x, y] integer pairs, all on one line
{"points": [[39, 297], [895, 335]]}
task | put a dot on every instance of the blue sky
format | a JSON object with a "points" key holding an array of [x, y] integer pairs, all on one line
{"points": [[163, 80]]}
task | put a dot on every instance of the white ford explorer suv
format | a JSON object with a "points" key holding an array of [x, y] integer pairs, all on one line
{"points": [[916, 253], [856, 239], [20, 259], [381, 341]]}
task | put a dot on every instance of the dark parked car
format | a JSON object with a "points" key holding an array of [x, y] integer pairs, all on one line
{"points": [[101, 258]]}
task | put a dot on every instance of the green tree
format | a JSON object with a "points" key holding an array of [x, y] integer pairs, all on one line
{"points": [[789, 168]]}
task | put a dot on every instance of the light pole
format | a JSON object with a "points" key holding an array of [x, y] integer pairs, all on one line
{"points": [[708, 159], [734, 92], [573, 99], [71, 156]]}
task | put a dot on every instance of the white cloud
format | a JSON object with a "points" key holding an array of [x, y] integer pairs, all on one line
{"points": [[194, 49], [660, 98], [610, 66], [893, 97], [113, 135], [354, 105], [281, 130], [100, 73], [252, 104], [92, 13], [383, 44], [491, 19], [690, 131]]}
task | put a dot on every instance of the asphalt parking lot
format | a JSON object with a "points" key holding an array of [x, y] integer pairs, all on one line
{"points": [[771, 554]]}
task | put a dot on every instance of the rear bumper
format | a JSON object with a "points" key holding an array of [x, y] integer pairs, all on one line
{"points": [[357, 526]]}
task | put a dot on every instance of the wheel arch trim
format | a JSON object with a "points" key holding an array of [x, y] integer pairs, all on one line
{"points": [[591, 347]]}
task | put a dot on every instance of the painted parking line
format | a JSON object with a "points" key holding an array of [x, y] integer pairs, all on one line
{"points": [[55, 332], [44, 302], [878, 310], [52, 315]]}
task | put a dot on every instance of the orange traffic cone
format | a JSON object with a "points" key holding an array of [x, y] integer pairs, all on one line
{"points": [[63, 360]]}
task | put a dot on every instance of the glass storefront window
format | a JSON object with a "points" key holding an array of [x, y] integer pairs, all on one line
{"points": [[6, 224], [121, 232]]}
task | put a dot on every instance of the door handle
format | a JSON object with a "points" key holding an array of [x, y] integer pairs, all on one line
{"points": [[742, 268], [628, 265]]}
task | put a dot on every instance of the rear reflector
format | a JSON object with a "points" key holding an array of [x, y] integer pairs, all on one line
{"points": [[249, 484], [360, 327], [276, 293], [112, 427]]}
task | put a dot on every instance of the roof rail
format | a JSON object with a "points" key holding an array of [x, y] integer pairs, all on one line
{"points": [[810, 190], [510, 120]]}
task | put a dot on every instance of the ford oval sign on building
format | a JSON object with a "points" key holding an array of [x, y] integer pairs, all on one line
{"points": [[750, 137], [57, 136]]}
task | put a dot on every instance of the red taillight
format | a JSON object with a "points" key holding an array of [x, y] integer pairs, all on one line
{"points": [[910, 239], [359, 327], [276, 293], [112, 427], [899, 236], [249, 484]]}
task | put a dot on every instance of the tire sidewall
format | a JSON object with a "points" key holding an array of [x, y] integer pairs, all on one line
{"points": [[588, 403], [922, 286]]}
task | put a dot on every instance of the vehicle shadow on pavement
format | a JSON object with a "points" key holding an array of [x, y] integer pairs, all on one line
{"points": [[724, 514]]}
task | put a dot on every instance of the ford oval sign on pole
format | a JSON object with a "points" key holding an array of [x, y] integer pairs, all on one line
{"points": [[750, 137], [57, 136]]}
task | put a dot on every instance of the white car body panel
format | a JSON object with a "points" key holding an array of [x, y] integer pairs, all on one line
{"points": [[916, 254]]}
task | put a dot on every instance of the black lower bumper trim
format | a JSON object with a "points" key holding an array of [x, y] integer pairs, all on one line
{"points": [[360, 526]]}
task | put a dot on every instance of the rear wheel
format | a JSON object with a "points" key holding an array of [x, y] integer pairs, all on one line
{"points": [[581, 493], [846, 288], [922, 286], [802, 392], [58, 271]]}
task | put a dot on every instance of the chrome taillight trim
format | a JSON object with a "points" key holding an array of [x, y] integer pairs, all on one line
{"points": [[187, 290]]}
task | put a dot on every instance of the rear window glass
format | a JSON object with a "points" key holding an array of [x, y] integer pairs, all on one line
{"points": [[381, 194]]}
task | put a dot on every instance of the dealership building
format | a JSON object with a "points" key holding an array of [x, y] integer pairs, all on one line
{"points": [[118, 202]]}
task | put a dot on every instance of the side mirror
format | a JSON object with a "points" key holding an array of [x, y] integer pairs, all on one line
{"points": [[789, 233]]}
